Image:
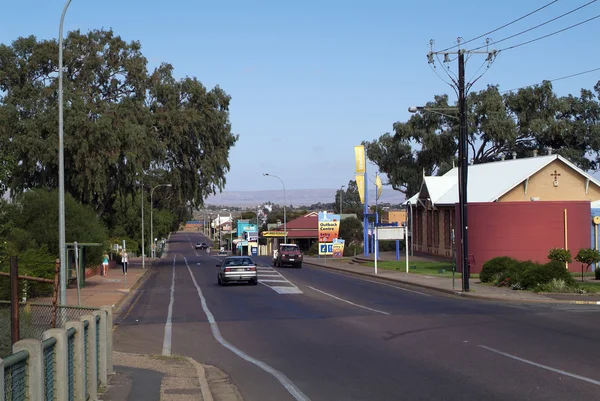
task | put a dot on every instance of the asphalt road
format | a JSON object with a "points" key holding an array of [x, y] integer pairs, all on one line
{"points": [[312, 334]]}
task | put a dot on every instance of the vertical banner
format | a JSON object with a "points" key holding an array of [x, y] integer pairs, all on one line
{"points": [[379, 185], [359, 154], [337, 248], [360, 184]]}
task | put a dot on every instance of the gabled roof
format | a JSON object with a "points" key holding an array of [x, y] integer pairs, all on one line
{"points": [[307, 222], [487, 182]]}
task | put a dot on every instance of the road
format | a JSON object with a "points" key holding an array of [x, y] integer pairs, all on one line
{"points": [[312, 334]]}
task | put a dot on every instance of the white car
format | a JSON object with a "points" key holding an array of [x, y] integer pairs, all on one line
{"points": [[236, 269]]}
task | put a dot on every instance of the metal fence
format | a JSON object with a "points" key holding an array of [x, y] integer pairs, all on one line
{"points": [[34, 319], [67, 364]]}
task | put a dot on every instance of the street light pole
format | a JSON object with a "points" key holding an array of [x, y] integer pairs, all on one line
{"points": [[284, 202], [463, 155], [61, 166], [153, 252], [143, 239]]}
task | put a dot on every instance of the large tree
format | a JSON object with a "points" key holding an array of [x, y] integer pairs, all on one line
{"points": [[120, 121], [523, 121]]}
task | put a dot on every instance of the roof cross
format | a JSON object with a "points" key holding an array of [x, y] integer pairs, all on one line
{"points": [[555, 175]]}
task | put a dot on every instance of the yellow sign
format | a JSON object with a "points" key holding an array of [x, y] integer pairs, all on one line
{"points": [[273, 234], [359, 153], [378, 184], [360, 183], [329, 226]]}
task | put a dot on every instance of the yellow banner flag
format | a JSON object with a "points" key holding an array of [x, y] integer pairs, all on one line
{"points": [[359, 154], [378, 184], [360, 183]]}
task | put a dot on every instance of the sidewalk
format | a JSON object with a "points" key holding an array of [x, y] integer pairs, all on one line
{"points": [[148, 377], [445, 285]]}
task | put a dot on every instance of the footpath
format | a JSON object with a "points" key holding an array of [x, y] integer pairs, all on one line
{"points": [[148, 377], [477, 290]]}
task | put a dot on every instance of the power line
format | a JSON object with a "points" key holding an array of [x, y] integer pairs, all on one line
{"points": [[503, 26], [550, 34], [538, 26], [553, 80]]}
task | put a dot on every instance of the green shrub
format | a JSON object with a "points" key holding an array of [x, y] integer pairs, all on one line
{"points": [[560, 255], [494, 268], [535, 274]]}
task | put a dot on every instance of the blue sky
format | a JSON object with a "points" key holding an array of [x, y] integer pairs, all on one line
{"points": [[311, 79]]}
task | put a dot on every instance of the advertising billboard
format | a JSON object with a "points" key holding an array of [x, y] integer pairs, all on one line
{"points": [[329, 226]]}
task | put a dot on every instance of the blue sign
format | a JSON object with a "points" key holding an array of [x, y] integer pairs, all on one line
{"points": [[254, 251], [326, 249]]}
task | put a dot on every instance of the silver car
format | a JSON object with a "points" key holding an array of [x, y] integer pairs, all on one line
{"points": [[237, 268]]}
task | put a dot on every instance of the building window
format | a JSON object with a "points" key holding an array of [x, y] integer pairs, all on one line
{"points": [[419, 227], [447, 228]]}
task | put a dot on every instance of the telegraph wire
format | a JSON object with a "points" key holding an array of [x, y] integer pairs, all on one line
{"points": [[553, 80], [550, 34], [539, 25], [503, 26]]}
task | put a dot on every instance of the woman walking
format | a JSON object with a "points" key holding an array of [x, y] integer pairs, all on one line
{"points": [[124, 260], [105, 264]]}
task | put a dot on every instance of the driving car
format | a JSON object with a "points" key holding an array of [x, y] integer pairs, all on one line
{"points": [[237, 269], [201, 245]]}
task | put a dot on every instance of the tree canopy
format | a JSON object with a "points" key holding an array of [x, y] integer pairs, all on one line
{"points": [[529, 119], [120, 121]]}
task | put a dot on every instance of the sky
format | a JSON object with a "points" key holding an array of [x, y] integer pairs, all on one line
{"points": [[310, 80]]}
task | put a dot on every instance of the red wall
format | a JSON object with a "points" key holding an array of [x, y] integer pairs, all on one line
{"points": [[524, 230]]}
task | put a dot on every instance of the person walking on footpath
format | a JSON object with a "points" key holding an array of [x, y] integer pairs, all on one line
{"points": [[104, 265], [124, 260]]}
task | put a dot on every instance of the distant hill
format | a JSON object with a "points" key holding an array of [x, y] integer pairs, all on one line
{"points": [[296, 197]]}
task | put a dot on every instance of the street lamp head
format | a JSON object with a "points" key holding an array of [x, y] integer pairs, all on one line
{"points": [[414, 109], [265, 174], [168, 185]]}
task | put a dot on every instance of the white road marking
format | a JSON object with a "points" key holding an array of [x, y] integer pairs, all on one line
{"points": [[285, 290], [287, 383], [274, 281], [166, 350], [539, 365], [348, 302]]}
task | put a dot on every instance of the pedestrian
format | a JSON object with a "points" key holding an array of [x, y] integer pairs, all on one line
{"points": [[104, 265], [124, 260]]}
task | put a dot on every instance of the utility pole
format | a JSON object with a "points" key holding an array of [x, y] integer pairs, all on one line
{"points": [[463, 151]]}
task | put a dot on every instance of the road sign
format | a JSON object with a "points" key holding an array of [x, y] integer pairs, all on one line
{"points": [[326, 249]]}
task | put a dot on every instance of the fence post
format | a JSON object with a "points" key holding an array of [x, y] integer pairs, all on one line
{"points": [[14, 300], [92, 373], [109, 339], [35, 367], [2, 380], [78, 361], [55, 293], [102, 340], [61, 355]]}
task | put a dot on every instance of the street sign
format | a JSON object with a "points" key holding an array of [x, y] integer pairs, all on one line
{"points": [[326, 249]]}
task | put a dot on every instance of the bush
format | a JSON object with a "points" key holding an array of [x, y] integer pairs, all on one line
{"points": [[351, 250], [535, 274], [496, 267], [560, 255]]}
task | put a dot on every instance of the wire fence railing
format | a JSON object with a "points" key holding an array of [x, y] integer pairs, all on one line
{"points": [[34, 319]]}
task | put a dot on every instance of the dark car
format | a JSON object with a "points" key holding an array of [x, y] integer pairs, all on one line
{"points": [[288, 255], [236, 269]]}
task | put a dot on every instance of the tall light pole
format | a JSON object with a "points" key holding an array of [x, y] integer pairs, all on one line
{"points": [[284, 202], [143, 239], [341, 201], [61, 167], [153, 252]]}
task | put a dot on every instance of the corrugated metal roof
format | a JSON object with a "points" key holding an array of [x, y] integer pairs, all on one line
{"points": [[489, 181], [438, 186]]}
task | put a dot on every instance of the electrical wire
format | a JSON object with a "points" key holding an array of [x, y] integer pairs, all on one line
{"points": [[503, 26], [539, 25], [446, 82], [553, 80], [550, 34]]}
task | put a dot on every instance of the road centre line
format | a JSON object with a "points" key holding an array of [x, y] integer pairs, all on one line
{"points": [[214, 327], [351, 303], [166, 350], [539, 365]]}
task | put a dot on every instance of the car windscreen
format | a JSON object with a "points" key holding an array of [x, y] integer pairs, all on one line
{"points": [[289, 249], [238, 262]]}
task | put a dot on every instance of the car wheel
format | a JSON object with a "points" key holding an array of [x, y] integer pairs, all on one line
{"points": [[299, 265], [219, 280], [254, 282]]}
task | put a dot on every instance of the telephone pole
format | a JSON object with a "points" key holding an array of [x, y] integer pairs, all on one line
{"points": [[462, 88]]}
